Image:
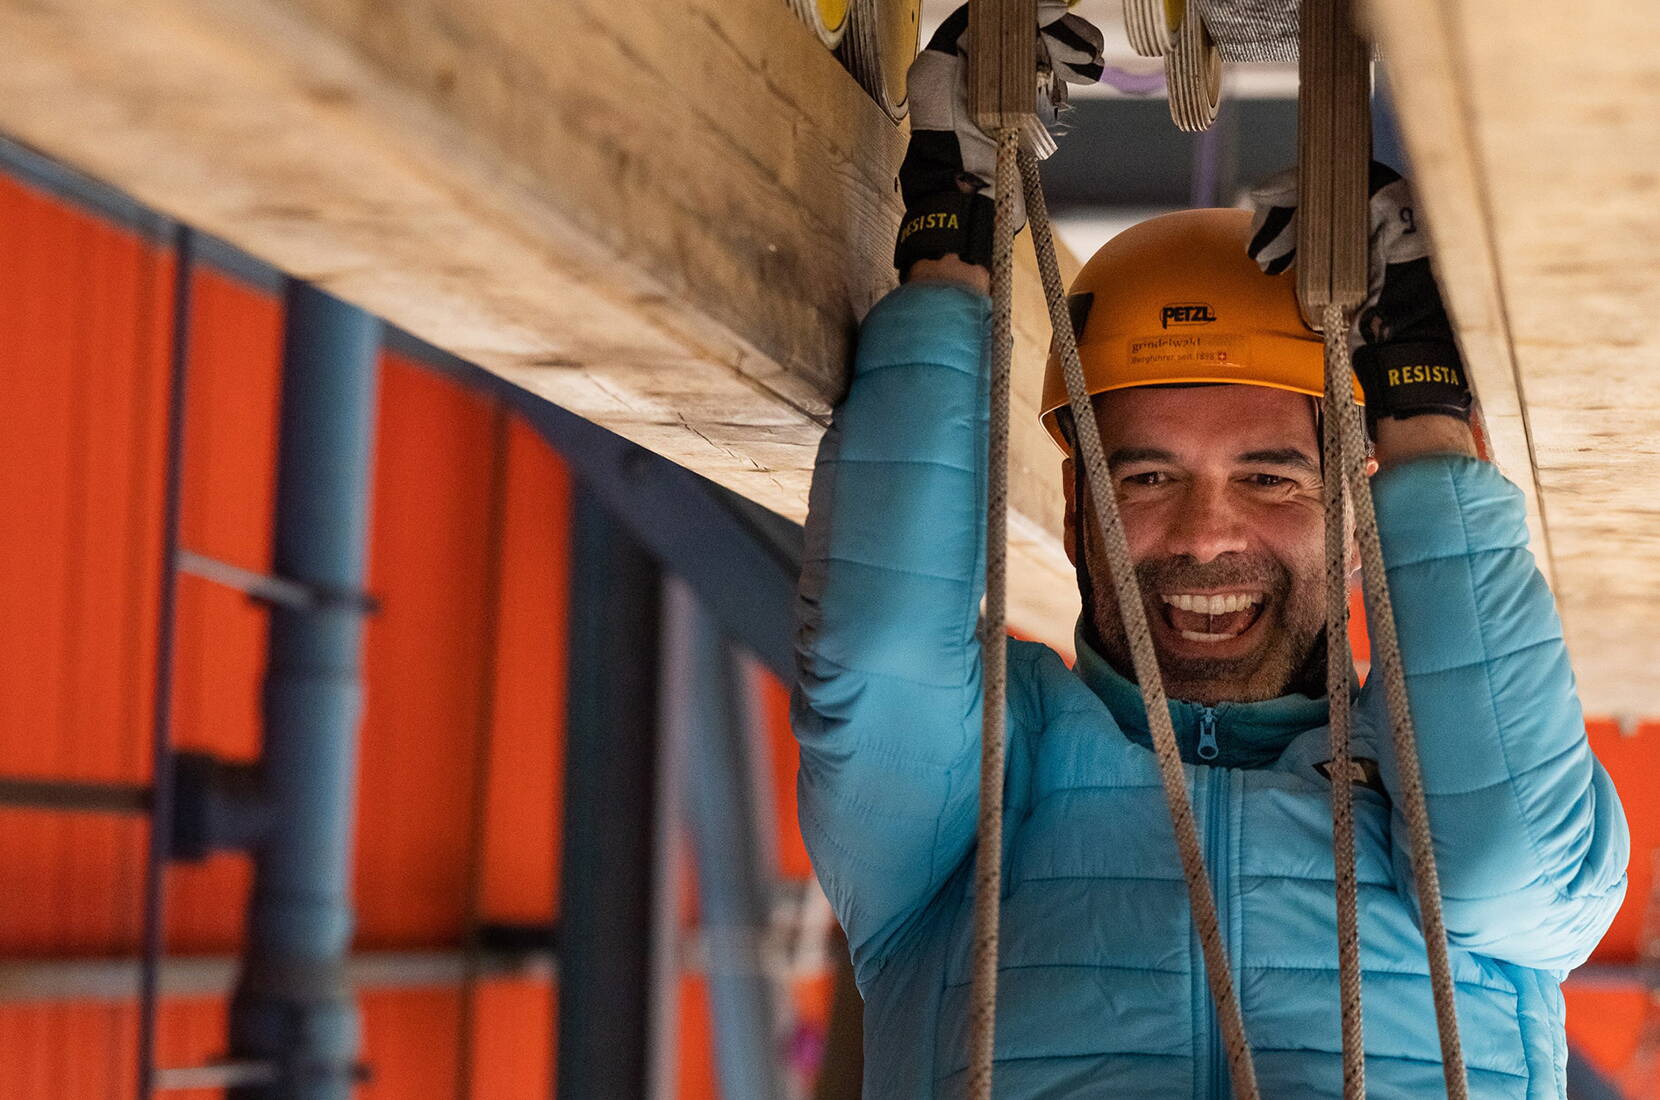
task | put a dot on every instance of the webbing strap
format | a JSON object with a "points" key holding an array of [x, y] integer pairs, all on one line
{"points": [[988, 859], [1334, 158], [1334, 145], [1110, 529]]}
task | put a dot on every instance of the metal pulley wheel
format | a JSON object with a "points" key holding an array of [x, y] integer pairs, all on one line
{"points": [[1193, 73], [879, 47], [828, 18], [1151, 25]]}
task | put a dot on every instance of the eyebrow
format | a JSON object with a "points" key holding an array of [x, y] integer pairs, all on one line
{"points": [[1293, 457], [1139, 454], [1283, 456]]}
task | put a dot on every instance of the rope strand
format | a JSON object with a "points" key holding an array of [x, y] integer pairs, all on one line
{"points": [[988, 860], [1338, 390], [1380, 617], [1218, 969], [1344, 453]]}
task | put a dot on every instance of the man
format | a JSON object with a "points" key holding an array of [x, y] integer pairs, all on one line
{"points": [[1101, 985]]}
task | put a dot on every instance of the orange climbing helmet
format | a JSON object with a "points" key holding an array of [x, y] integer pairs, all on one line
{"points": [[1176, 299]]}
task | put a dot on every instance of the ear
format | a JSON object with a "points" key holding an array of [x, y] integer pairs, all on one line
{"points": [[1351, 558], [1069, 528]]}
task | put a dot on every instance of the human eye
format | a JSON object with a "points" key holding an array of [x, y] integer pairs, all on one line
{"points": [[1267, 481], [1147, 478]]}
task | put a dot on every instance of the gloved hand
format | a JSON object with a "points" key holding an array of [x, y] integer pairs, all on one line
{"points": [[947, 178], [1405, 355]]}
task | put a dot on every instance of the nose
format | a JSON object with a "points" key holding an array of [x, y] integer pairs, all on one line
{"points": [[1207, 524]]}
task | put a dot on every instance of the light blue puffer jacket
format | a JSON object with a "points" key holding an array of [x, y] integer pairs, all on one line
{"points": [[1101, 990]]}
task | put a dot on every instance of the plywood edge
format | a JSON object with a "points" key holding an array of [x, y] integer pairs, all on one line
{"points": [[1428, 84]]}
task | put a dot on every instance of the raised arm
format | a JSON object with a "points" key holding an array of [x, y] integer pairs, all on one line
{"points": [[1530, 839], [887, 699]]}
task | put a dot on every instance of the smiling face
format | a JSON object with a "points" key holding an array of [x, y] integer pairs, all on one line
{"points": [[1220, 491]]}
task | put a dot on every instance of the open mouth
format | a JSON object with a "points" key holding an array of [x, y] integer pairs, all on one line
{"points": [[1204, 617]]}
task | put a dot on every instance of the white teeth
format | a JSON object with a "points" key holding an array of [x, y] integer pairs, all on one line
{"points": [[1213, 605], [1198, 636]]}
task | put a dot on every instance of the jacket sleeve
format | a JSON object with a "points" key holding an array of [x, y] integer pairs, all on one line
{"points": [[886, 704], [1530, 840]]}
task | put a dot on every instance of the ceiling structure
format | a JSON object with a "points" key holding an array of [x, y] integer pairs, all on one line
{"points": [[1534, 132], [680, 250]]}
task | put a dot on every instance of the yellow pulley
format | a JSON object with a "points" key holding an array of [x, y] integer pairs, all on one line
{"points": [[880, 45], [828, 18]]}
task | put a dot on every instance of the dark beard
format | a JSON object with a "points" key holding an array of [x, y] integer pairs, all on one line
{"points": [[1304, 664]]}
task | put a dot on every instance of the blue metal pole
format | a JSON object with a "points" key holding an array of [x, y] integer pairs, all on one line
{"points": [[605, 901], [292, 1004], [734, 876], [161, 736], [1586, 1081]]}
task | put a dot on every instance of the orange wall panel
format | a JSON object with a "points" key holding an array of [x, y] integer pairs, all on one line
{"points": [[458, 677], [513, 1040], [527, 747], [83, 381], [1630, 762], [425, 657], [233, 387], [88, 1051], [783, 758]]}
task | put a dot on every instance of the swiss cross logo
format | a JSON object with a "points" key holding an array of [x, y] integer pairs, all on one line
{"points": [[1186, 313], [1363, 772]]}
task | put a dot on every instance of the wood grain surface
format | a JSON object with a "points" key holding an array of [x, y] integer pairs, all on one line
{"points": [[1534, 133], [667, 218]]}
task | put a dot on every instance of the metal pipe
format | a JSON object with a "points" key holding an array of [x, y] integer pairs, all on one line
{"points": [[113, 980], [292, 1004], [273, 590], [1586, 1081], [483, 739], [668, 881], [74, 795], [610, 762], [1609, 977], [161, 724], [216, 1075], [735, 887]]}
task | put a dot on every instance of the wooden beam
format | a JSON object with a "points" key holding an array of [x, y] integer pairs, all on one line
{"points": [[1534, 132], [666, 218]]}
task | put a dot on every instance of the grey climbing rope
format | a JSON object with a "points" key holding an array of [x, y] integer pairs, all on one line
{"points": [[1386, 648], [988, 860], [1344, 451], [1218, 969], [1333, 235], [1339, 390]]}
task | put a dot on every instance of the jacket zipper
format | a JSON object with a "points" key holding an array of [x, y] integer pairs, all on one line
{"points": [[1204, 1013], [1216, 852], [1208, 748], [1212, 1068]]}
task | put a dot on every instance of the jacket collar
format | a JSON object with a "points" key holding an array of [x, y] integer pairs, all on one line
{"points": [[1247, 735]]}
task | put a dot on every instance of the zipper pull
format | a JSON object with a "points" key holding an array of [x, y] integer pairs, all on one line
{"points": [[1208, 748]]}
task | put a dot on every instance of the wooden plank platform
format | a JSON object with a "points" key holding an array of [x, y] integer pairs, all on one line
{"points": [[1534, 131], [667, 218]]}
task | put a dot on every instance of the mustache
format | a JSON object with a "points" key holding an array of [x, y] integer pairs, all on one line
{"points": [[1228, 571]]}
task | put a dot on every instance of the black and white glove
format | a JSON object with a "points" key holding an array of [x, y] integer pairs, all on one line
{"points": [[948, 176], [1405, 355]]}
